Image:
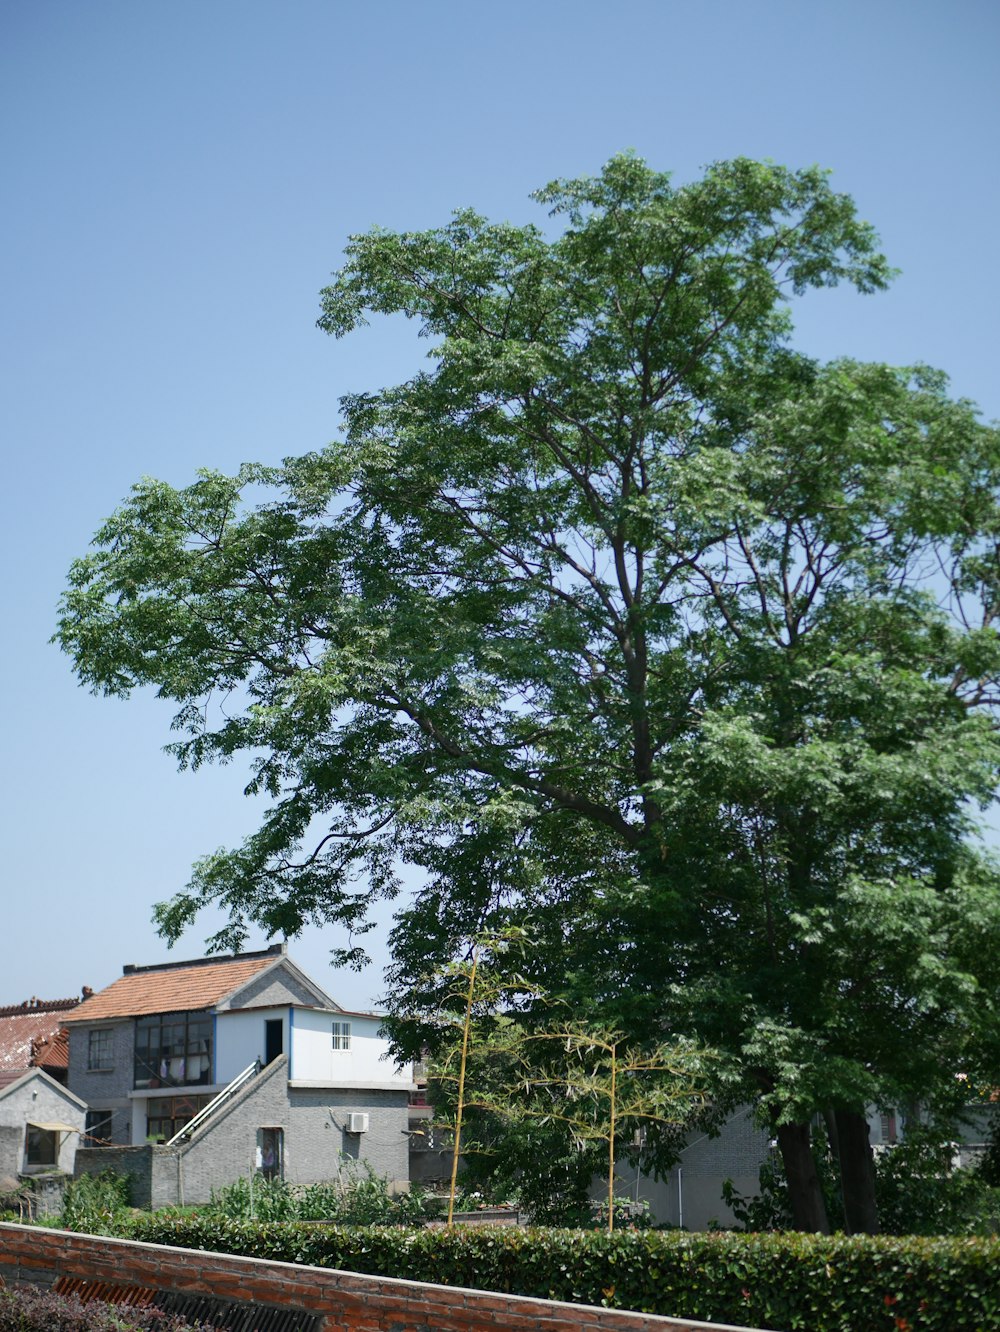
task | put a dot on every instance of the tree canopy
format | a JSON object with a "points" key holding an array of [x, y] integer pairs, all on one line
{"points": [[623, 617]]}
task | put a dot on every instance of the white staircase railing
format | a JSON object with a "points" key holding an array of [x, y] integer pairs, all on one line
{"points": [[237, 1084]]}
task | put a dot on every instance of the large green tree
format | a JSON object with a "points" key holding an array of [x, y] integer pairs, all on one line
{"points": [[623, 615]]}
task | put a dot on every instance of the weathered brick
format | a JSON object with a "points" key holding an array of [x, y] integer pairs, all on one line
{"points": [[348, 1302]]}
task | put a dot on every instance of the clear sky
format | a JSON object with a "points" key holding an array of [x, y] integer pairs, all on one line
{"points": [[179, 179]]}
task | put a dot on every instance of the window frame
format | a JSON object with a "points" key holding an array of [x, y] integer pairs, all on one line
{"points": [[41, 1146], [165, 1045], [341, 1035], [171, 1113], [99, 1125], [100, 1050]]}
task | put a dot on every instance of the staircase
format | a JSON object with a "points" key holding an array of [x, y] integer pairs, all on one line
{"points": [[216, 1103]]}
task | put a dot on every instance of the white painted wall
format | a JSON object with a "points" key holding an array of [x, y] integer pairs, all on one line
{"points": [[315, 1060], [239, 1039]]}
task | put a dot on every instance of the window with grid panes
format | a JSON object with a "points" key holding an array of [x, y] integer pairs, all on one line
{"points": [[341, 1035], [173, 1050], [167, 1115], [100, 1053]]}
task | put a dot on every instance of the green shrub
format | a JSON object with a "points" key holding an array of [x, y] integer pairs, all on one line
{"points": [[360, 1197], [919, 1193], [916, 1191], [94, 1203], [789, 1282], [255, 1199]]}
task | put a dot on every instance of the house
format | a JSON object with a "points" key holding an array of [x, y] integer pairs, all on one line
{"points": [[197, 1073], [40, 1127]]}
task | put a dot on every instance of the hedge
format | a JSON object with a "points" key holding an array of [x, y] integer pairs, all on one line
{"points": [[781, 1281]]}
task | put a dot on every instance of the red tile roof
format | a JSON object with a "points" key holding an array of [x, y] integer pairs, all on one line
{"points": [[29, 1034], [52, 1051], [173, 987]]}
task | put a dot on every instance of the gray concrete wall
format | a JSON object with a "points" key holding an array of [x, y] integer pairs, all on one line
{"points": [[11, 1151], [48, 1192], [105, 1089]]}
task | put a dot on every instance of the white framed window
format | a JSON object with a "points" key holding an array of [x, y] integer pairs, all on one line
{"points": [[341, 1035], [100, 1052]]}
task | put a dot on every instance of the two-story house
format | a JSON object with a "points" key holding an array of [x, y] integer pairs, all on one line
{"points": [[197, 1073]]}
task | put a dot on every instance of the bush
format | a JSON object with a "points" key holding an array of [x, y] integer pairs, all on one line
{"points": [[94, 1203], [536, 1164], [788, 1282], [254, 1200], [919, 1193], [27, 1310], [360, 1197]]}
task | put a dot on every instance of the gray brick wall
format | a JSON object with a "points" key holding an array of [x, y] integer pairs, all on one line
{"points": [[319, 1121], [105, 1089], [275, 989], [315, 1136], [136, 1162], [740, 1149], [692, 1191], [152, 1171], [314, 1122]]}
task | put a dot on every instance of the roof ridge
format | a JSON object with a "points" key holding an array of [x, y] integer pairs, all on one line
{"points": [[33, 1005], [275, 950]]}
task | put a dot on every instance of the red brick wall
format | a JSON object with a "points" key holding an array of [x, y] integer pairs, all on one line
{"points": [[349, 1301]]}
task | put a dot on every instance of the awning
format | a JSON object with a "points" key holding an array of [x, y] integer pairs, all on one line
{"points": [[54, 1127]]}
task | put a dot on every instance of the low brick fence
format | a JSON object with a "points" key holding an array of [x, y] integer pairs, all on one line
{"points": [[343, 1301]]}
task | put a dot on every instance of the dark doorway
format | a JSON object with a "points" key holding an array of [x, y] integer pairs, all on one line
{"points": [[271, 1153], [273, 1040]]}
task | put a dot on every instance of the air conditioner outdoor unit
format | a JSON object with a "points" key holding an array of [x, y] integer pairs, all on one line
{"points": [[357, 1123]]}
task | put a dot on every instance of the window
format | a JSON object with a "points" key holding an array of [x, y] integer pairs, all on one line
{"points": [[100, 1055], [42, 1145], [173, 1050], [341, 1035], [167, 1115], [98, 1128]]}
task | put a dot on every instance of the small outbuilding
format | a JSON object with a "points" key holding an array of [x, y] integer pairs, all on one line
{"points": [[40, 1125]]}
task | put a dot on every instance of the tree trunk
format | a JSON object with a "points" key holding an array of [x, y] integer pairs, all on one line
{"points": [[804, 1192], [857, 1173]]}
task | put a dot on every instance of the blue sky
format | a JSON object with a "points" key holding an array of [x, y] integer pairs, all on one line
{"points": [[179, 181]]}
